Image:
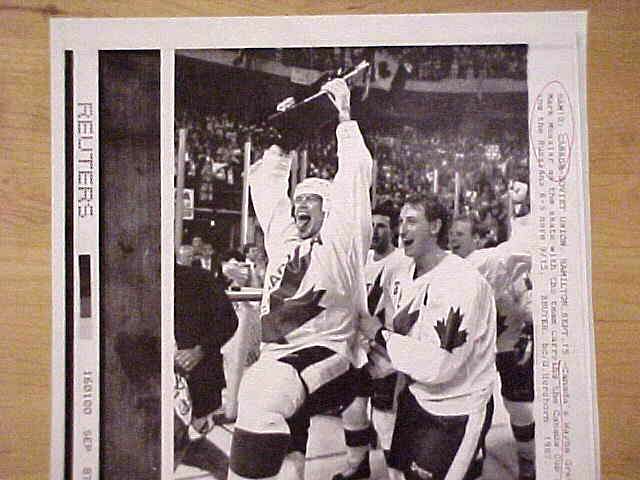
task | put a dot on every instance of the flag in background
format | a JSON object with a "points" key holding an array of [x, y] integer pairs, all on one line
{"points": [[385, 68]]}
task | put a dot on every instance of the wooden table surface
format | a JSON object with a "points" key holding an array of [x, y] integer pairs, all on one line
{"points": [[25, 195]]}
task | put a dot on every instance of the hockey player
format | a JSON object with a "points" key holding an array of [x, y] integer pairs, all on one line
{"points": [[506, 268], [382, 256], [314, 285], [444, 342]]}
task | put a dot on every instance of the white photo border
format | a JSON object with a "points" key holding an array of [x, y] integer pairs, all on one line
{"points": [[540, 30]]}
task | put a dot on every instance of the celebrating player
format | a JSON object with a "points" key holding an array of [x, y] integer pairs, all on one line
{"points": [[506, 268], [314, 285], [443, 340]]}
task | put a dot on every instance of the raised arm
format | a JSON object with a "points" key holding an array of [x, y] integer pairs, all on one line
{"points": [[269, 182], [351, 202]]}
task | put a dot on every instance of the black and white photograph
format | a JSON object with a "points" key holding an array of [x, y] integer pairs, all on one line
{"points": [[388, 203], [302, 248]]}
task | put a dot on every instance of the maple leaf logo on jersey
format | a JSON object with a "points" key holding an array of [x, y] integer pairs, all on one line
{"points": [[375, 292], [285, 312], [291, 275], [449, 330], [406, 318]]}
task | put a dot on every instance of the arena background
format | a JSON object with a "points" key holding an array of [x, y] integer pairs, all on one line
{"points": [[472, 101], [426, 109]]}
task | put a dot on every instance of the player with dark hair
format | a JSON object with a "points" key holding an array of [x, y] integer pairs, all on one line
{"points": [[507, 268], [464, 235], [314, 289], [443, 341], [358, 432]]}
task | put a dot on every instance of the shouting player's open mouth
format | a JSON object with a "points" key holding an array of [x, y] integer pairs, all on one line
{"points": [[303, 219], [407, 243], [307, 223]]}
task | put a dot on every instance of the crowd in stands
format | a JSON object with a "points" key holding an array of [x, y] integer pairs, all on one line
{"points": [[497, 61], [407, 159], [214, 150], [426, 63]]}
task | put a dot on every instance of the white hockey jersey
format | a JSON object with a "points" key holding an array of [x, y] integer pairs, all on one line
{"points": [[376, 273], [507, 276], [313, 289], [449, 352], [507, 268]]}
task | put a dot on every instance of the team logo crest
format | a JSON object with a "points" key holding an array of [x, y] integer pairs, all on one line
{"points": [[407, 317], [449, 331], [286, 311]]}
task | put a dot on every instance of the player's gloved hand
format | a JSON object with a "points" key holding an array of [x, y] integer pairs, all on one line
{"points": [[379, 364], [340, 95], [524, 346]]}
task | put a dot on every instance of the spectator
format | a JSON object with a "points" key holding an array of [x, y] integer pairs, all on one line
{"points": [[204, 321], [406, 155], [257, 260], [235, 269]]}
